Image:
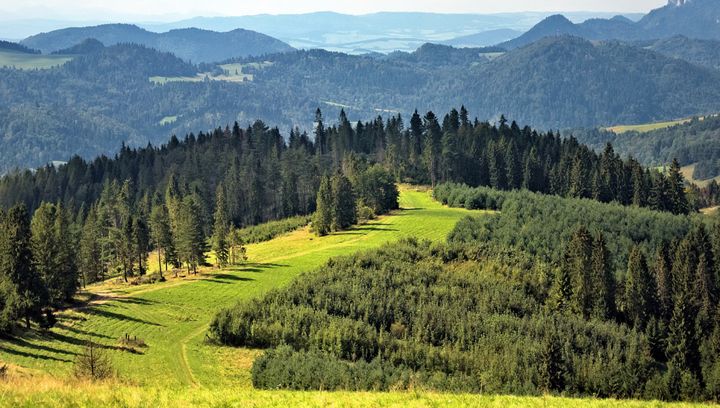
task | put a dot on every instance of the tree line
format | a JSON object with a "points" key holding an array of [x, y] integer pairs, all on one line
{"points": [[186, 197]]}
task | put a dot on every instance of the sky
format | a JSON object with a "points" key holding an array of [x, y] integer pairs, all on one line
{"points": [[167, 10]]}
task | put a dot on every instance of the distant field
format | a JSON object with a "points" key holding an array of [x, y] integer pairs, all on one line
{"points": [[25, 61], [233, 73], [172, 317], [646, 127]]}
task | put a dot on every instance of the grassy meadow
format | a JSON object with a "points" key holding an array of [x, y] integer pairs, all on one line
{"points": [[647, 127], [172, 317], [178, 368], [25, 61]]}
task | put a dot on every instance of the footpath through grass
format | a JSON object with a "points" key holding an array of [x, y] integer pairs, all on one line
{"points": [[179, 369], [172, 317]]}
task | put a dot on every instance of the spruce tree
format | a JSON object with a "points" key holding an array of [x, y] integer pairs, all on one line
{"points": [[603, 280], [161, 235], [676, 190], [18, 267], [190, 239], [323, 218], [578, 263], [90, 251], [220, 228], [344, 211], [640, 290], [44, 248]]}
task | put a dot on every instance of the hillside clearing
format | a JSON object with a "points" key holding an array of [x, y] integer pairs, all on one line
{"points": [[172, 317], [25, 61]]}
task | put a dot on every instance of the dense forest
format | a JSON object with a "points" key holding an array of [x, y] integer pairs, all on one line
{"points": [[551, 294], [694, 142], [113, 99], [186, 197]]}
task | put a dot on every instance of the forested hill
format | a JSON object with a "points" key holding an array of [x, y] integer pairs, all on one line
{"points": [[190, 44], [555, 83], [691, 18], [696, 142], [11, 46]]}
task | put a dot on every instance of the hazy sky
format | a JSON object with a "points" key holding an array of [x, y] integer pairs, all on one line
{"points": [[168, 9]]}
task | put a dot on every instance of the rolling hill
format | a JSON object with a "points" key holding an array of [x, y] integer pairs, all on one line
{"points": [[554, 83], [698, 19], [190, 44]]}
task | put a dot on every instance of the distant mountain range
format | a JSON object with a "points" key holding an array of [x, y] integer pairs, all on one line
{"points": [[698, 19], [554, 83], [190, 44]]}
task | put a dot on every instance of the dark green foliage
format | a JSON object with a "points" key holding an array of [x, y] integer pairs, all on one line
{"points": [[267, 231], [221, 228], [541, 225], [423, 315], [640, 302], [25, 295], [322, 221]]}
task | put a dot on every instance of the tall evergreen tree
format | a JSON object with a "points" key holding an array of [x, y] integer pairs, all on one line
{"points": [[220, 228], [161, 235], [640, 290], [603, 280], [676, 192], [323, 219], [578, 261], [344, 212], [16, 265]]}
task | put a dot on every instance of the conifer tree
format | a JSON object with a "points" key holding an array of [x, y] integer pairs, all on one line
{"points": [[663, 276], [190, 238], [220, 228], [90, 251], [431, 146], [603, 280], [578, 261], [161, 235], [45, 251], [344, 212], [676, 189], [323, 219], [16, 265], [640, 290]]}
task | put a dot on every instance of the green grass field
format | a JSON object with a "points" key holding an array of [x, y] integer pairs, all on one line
{"points": [[644, 128], [172, 317], [25, 61], [180, 369]]}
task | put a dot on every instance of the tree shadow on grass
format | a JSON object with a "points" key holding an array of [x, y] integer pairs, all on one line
{"points": [[82, 332], [134, 301], [31, 355], [224, 278], [24, 343], [118, 316]]}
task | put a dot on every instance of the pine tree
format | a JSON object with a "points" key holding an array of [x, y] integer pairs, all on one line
{"points": [[44, 248], [676, 192], [603, 280], [552, 364], [662, 269], [344, 212], [533, 177], [322, 221], [220, 228], [578, 262], [16, 265], [640, 290], [66, 253], [190, 238], [560, 292], [161, 235], [90, 250], [431, 146]]}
